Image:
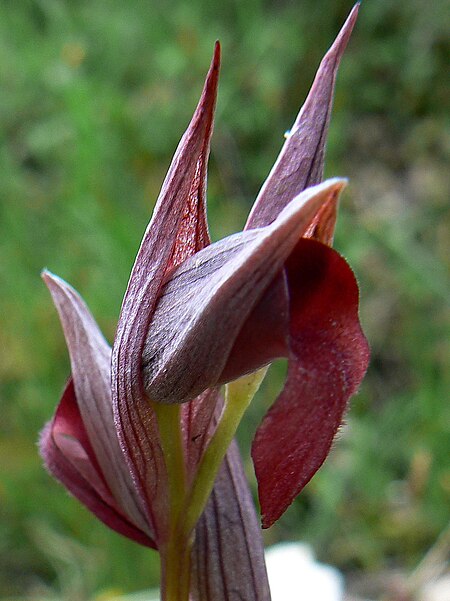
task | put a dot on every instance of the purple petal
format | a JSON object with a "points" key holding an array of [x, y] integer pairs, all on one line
{"points": [[207, 301], [301, 160], [327, 361], [228, 553], [177, 229], [90, 361], [68, 456]]}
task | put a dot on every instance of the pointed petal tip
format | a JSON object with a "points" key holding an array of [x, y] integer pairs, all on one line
{"points": [[306, 206], [213, 71], [340, 184], [51, 280], [305, 145], [46, 275], [353, 15], [49, 277], [341, 41], [336, 183], [212, 78], [217, 54], [203, 118], [330, 187], [54, 282]]}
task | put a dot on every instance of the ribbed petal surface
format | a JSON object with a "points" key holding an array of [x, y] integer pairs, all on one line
{"points": [[228, 554], [177, 229], [90, 361]]}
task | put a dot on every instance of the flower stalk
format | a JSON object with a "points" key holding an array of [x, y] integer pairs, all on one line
{"points": [[176, 570], [187, 505], [169, 425]]}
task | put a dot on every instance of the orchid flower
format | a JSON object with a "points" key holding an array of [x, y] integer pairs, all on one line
{"points": [[143, 435]]}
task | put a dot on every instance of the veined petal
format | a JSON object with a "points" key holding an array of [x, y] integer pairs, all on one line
{"points": [[90, 361], [68, 456], [209, 297], [228, 553], [177, 230], [301, 160], [328, 358]]}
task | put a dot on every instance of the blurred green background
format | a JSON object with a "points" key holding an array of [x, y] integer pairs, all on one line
{"points": [[94, 97]]}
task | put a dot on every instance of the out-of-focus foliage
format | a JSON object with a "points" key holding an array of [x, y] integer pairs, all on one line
{"points": [[94, 97]]}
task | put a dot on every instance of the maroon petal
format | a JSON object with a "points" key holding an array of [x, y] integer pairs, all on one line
{"points": [[327, 361], [208, 299], [228, 553], [90, 361], [301, 160], [68, 456], [198, 424], [263, 336], [177, 229]]}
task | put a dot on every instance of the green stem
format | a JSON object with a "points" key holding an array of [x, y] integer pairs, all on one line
{"points": [[169, 424], [238, 395], [176, 570], [175, 554]]}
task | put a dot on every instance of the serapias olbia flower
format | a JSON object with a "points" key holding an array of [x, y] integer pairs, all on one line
{"points": [[142, 428]]}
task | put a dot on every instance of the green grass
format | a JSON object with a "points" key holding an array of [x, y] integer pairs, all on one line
{"points": [[94, 97]]}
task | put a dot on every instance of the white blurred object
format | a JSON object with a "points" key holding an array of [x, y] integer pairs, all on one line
{"points": [[439, 590], [295, 575]]}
